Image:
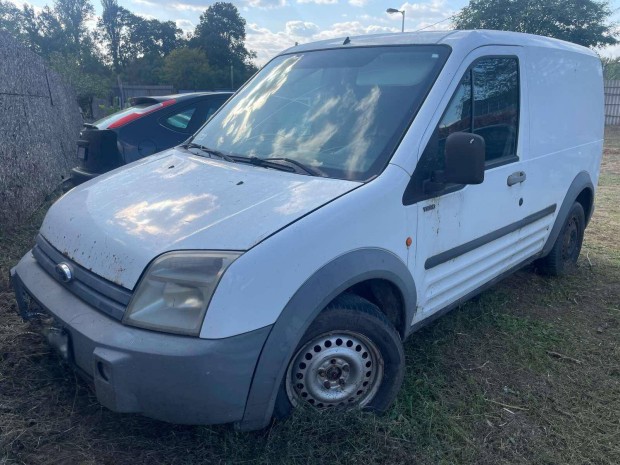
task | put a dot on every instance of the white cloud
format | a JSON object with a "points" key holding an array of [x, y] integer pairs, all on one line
{"points": [[20, 4], [421, 15], [185, 25], [319, 2], [433, 10], [301, 28], [351, 28], [267, 4], [267, 43], [186, 7], [610, 51], [144, 2], [358, 3]]}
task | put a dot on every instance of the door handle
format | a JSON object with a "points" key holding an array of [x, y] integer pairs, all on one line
{"points": [[516, 178]]}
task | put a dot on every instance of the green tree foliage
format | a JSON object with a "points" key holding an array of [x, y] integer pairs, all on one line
{"points": [[221, 34], [611, 68], [87, 85], [73, 16], [188, 68], [583, 22], [11, 20], [130, 39], [60, 35], [130, 48]]}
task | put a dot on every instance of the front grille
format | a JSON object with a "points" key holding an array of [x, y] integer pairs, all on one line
{"points": [[100, 293]]}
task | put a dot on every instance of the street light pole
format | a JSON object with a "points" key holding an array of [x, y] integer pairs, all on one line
{"points": [[402, 12]]}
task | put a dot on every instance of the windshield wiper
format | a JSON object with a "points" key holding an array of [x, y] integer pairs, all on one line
{"points": [[275, 163], [308, 169], [202, 148]]}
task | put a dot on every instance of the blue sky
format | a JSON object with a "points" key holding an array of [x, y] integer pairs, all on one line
{"points": [[273, 25]]}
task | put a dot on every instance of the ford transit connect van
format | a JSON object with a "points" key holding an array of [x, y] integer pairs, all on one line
{"points": [[351, 192]]}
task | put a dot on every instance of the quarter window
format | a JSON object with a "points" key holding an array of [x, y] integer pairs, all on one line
{"points": [[181, 120]]}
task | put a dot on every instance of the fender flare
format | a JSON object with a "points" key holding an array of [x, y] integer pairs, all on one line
{"points": [[301, 310], [582, 181]]}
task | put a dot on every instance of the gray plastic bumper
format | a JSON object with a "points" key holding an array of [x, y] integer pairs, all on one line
{"points": [[171, 378]]}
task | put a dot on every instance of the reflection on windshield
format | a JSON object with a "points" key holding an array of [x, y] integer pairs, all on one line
{"points": [[340, 111]]}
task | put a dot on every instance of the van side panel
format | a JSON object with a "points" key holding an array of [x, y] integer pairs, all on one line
{"points": [[566, 125], [566, 110], [566, 100]]}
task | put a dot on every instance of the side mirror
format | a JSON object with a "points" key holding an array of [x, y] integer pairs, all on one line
{"points": [[464, 158]]}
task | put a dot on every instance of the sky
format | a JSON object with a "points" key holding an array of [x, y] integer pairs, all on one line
{"points": [[274, 25]]}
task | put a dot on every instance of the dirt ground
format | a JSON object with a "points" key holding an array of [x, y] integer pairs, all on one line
{"points": [[529, 372]]}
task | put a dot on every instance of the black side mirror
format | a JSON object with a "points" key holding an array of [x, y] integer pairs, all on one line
{"points": [[464, 158]]}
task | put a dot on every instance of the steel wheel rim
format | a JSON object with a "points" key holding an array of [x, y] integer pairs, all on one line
{"points": [[569, 245], [335, 370]]}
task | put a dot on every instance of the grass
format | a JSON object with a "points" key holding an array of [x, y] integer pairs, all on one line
{"points": [[529, 372]]}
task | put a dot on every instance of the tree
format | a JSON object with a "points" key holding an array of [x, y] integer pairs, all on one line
{"points": [[583, 22], [187, 68], [155, 38], [128, 37], [611, 68], [87, 85], [113, 32], [221, 34], [73, 16], [11, 19]]}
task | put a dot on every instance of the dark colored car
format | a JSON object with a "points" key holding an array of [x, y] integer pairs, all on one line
{"points": [[150, 125]]}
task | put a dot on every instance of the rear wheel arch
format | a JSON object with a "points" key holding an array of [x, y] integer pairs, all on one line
{"points": [[580, 190], [369, 270], [586, 199]]}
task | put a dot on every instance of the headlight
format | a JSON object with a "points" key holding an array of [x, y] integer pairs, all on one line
{"points": [[175, 291]]}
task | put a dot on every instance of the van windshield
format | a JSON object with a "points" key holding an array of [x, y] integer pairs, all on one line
{"points": [[339, 112]]}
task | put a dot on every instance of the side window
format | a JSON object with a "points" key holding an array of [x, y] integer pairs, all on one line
{"points": [[486, 102], [180, 121], [456, 118], [496, 105]]}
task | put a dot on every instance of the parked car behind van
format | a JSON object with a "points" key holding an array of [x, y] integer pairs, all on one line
{"points": [[149, 125], [354, 190]]}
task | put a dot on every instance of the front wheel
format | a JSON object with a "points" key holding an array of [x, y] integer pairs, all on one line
{"points": [[563, 256], [350, 357]]}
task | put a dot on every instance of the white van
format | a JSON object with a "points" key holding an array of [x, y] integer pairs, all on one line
{"points": [[349, 193]]}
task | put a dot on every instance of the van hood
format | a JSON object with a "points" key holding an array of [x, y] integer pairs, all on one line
{"points": [[117, 223]]}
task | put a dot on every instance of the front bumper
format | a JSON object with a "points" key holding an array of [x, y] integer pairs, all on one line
{"points": [[178, 379]]}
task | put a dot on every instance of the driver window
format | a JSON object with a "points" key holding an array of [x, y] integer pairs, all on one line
{"points": [[457, 117], [486, 102]]}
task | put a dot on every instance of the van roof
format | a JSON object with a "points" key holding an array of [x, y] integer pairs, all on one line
{"points": [[460, 39]]}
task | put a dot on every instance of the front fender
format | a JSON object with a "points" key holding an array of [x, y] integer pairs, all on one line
{"points": [[312, 297]]}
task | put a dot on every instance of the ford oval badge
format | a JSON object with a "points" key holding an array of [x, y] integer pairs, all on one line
{"points": [[64, 272]]}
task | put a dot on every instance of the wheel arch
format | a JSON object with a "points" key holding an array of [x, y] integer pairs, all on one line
{"points": [[350, 271], [581, 190]]}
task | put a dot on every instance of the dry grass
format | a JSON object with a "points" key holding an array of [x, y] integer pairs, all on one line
{"points": [[527, 373]]}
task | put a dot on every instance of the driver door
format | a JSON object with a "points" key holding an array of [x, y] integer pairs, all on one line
{"points": [[469, 234]]}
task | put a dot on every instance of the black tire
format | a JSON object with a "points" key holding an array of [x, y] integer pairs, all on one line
{"points": [[563, 256], [355, 316]]}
